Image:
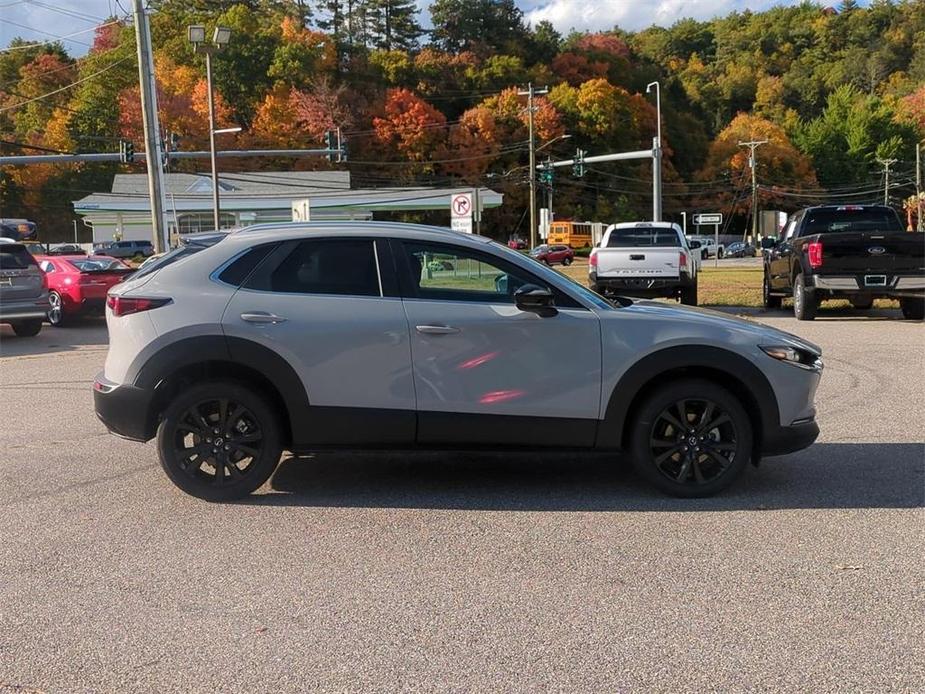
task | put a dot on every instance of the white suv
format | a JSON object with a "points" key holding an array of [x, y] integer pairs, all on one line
{"points": [[376, 335]]}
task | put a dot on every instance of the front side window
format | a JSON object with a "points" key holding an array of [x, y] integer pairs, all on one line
{"points": [[340, 267], [453, 273]]}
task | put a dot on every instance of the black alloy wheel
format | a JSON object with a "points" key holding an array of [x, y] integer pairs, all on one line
{"points": [[692, 438], [219, 441]]}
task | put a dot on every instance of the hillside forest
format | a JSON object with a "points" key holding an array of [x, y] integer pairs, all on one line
{"points": [[435, 100]]}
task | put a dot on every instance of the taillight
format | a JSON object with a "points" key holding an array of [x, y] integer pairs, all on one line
{"points": [[125, 305], [592, 261], [682, 260], [814, 251]]}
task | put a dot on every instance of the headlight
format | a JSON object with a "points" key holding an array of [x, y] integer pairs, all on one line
{"points": [[793, 355]]}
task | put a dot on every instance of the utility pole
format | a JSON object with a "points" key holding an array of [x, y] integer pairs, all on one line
{"points": [[530, 92], [153, 144], [886, 164], [657, 154], [919, 224], [753, 164]]}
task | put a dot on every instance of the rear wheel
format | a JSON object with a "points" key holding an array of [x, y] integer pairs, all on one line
{"points": [[689, 295], [27, 328], [56, 309], [912, 308], [566, 261], [769, 300], [691, 438], [219, 441], [805, 302], [720, 253]]}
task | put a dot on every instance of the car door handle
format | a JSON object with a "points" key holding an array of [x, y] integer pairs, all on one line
{"points": [[261, 317], [436, 329]]}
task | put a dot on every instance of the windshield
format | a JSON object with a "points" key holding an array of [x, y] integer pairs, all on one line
{"points": [[634, 237], [825, 221], [98, 265]]}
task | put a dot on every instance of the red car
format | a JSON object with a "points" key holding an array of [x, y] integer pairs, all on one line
{"points": [[78, 284], [553, 253]]}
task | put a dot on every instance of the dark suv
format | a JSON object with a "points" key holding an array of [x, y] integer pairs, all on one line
{"points": [[23, 290]]}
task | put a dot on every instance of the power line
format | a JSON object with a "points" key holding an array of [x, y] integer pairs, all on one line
{"points": [[59, 38], [47, 33], [68, 86]]}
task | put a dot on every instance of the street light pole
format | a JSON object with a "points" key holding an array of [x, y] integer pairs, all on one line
{"points": [[657, 154], [220, 38]]}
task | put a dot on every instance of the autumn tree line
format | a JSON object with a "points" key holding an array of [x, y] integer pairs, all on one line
{"points": [[437, 103]]}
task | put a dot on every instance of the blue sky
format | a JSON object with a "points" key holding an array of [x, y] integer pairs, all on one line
{"points": [[45, 19]]}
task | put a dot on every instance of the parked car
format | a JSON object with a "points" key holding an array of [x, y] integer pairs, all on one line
{"points": [[518, 244], [307, 335], [63, 249], [644, 259], [78, 284], [125, 249], [709, 246], [553, 253], [856, 252], [23, 290], [740, 249]]}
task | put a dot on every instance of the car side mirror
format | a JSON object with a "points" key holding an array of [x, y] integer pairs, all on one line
{"points": [[535, 299]]}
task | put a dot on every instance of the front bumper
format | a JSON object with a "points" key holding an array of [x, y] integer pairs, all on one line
{"points": [[123, 409], [789, 439]]}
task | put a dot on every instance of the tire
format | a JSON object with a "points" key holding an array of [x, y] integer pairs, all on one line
{"points": [[27, 328], [689, 295], [912, 308], [804, 300], [566, 261], [181, 429], [662, 451], [862, 304], [768, 299], [719, 254], [56, 315]]}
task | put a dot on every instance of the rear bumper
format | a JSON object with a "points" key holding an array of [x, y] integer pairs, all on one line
{"points": [[641, 286], [870, 284], [123, 409], [31, 309], [789, 439]]}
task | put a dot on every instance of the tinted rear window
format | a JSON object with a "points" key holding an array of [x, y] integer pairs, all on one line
{"points": [[865, 219], [240, 269], [643, 236], [14, 256], [96, 265]]}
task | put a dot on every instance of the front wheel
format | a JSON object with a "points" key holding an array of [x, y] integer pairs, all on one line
{"points": [[804, 300], [912, 308], [691, 438], [27, 328], [219, 441]]}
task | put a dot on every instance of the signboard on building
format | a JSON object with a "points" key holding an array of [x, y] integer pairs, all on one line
{"points": [[461, 212], [301, 210]]}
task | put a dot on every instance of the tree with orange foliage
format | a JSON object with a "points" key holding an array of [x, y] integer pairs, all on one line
{"points": [[410, 127], [780, 163]]}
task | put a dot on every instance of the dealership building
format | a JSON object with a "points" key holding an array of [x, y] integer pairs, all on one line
{"points": [[253, 198]]}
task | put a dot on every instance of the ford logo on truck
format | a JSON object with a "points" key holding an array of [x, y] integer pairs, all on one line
{"points": [[876, 250]]}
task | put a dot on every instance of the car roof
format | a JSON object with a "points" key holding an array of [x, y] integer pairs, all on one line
{"points": [[293, 230]]}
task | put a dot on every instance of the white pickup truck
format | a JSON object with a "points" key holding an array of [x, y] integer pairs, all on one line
{"points": [[645, 259]]}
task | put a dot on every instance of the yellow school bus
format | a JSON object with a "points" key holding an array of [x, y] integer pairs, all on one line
{"points": [[572, 234]]}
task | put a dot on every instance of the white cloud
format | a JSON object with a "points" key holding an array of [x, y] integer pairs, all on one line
{"points": [[605, 14]]}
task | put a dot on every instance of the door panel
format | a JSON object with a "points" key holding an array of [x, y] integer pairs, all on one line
{"points": [[486, 372], [351, 352]]}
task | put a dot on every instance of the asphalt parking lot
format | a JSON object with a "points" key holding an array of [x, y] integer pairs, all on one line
{"points": [[354, 572]]}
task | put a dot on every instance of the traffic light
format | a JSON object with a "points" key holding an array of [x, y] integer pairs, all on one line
{"points": [[126, 151], [578, 168], [343, 149], [546, 174], [330, 142]]}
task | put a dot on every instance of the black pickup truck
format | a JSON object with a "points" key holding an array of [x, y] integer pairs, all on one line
{"points": [[854, 252]]}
